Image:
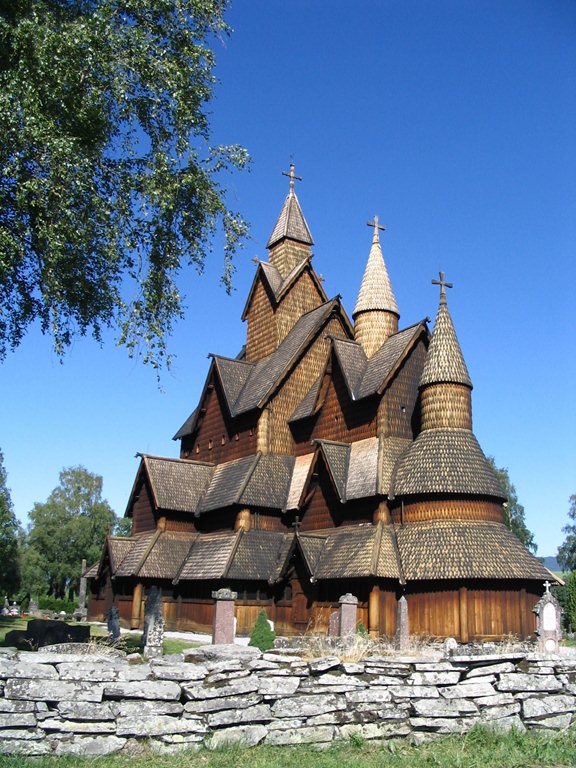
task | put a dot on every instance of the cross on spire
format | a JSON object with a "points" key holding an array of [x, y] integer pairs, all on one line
{"points": [[443, 285], [547, 586], [292, 176], [376, 226], [296, 524]]}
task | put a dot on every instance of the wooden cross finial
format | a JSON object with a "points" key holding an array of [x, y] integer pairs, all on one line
{"points": [[376, 226], [255, 260], [296, 524], [292, 176], [443, 285]]}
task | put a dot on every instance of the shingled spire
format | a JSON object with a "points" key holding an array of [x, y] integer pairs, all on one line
{"points": [[376, 312], [445, 384], [290, 241]]}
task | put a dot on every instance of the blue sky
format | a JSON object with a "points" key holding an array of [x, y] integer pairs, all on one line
{"points": [[455, 122]]}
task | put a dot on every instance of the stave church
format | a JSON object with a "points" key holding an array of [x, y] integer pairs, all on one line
{"points": [[330, 456]]}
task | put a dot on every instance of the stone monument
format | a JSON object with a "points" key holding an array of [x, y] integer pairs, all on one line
{"points": [[348, 614], [113, 623], [153, 635], [548, 622], [223, 629], [402, 636]]}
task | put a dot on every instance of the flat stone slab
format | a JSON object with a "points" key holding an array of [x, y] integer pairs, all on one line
{"points": [[221, 652], [25, 669], [248, 684], [306, 735], [305, 706], [537, 708], [143, 689], [260, 713], [53, 690], [88, 746], [518, 681], [215, 705], [244, 735], [157, 725]]}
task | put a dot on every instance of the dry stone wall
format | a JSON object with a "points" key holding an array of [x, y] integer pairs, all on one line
{"points": [[58, 703]]}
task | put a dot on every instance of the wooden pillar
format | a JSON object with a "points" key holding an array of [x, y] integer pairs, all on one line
{"points": [[136, 606], [374, 611], [464, 637], [525, 628], [381, 514], [161, 524]]}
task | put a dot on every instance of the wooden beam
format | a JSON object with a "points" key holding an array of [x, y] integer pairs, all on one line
{"points": [[136, 607], [464, 637], [374, 611]]}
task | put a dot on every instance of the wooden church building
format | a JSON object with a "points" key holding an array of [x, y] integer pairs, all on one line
{"points": [[329, 456]]}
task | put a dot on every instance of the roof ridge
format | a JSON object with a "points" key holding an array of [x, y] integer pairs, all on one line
{"points": [[175, 459]]}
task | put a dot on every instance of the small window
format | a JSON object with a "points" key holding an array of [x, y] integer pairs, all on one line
{"points": [[197, 447], [210, 444], [223, 441]]}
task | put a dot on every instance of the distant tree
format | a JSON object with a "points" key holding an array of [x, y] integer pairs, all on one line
{"points": [[9, 554], [514, 516], [567, 550], [123, 526], [69, 527], [570, 607], [109, 186]]}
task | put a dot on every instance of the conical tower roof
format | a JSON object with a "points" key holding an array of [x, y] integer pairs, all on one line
{"points": [[291, 223], [376, 290], [444, 361]]}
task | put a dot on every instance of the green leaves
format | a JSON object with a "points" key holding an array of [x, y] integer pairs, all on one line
{"points": [[9, 555], [514, 516], [567, 550], [69, 527], [108, 185]]}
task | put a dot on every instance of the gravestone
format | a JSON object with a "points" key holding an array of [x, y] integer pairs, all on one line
{"points": [[113, 623], [153, 634], [81, 612], [334, 624], [348, 614], [223, 629], [548, 622], [41, 632], [402, 636]]}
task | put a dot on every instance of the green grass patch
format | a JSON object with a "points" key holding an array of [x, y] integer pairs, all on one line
{"points": [[480, 748]]}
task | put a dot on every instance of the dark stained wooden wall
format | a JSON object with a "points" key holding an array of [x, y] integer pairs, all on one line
{"points": [[219, 438], [143, 518], [399, 412]]}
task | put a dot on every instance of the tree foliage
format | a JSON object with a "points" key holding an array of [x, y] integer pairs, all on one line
{"points": [[263, 635], [69, 526], [514, 516], [567, 550], [9, 554], [108, 185]]}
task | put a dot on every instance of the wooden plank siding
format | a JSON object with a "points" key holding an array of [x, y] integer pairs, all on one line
{"points": [[261, 335], [143, 517], [283, 404], [219, 438], [447, 509], [398, 411]]}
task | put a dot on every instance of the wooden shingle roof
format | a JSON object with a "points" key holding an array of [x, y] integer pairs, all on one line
{"points": [[445, 461], [256, 555], [355, 552], [209, 556], [177, 484], [376, 289], [444, 361], [291, 223], [454, 549]]}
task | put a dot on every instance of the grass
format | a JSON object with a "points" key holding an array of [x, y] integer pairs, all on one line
{"points": [[480, 748]]}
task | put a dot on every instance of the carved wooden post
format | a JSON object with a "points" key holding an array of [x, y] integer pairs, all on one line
{"points": [[136, 606], [374, 612], [464, 636], [223, 627]]}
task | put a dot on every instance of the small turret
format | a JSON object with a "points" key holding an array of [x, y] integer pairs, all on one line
{"points": [[290, 241], [445, 385], [376, 313]]}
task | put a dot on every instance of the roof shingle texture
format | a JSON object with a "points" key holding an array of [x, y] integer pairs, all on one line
{"points": [[444, 361], [291, 223], [362, 479], [445, 461], [269, 482], [376, 289], [453, 549], [178, 484], [256, 555], [227, 483], [209, 556]]}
